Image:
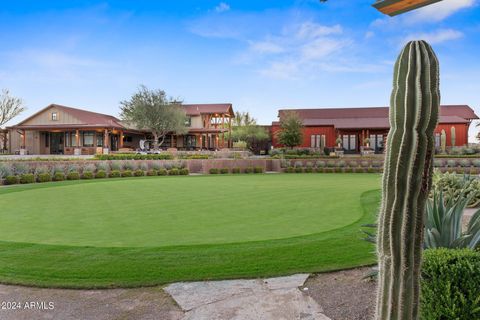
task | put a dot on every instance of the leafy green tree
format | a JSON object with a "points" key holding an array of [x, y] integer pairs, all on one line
{"points": [[152, 110], [291, 133], [245, 128]]}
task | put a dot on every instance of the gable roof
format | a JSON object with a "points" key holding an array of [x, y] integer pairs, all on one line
{"points": [[349, 118], [211, 108]]}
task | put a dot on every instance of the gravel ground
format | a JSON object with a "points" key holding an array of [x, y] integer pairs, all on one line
{"points": [[344, 295]]}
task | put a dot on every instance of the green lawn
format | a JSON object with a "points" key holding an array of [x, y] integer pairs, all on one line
{"points": [[145, 231]]}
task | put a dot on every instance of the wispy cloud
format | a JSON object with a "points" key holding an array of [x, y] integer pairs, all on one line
{"points": [[436, 37], [222, 7], [440, 10]]}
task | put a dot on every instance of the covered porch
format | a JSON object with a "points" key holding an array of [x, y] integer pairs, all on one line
{"points": [[198, 139], [354, 141]]}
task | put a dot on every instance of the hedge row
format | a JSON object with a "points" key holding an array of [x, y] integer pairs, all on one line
{"points": [[101, 174], [236, 170], [133, 156], [332, 170]]}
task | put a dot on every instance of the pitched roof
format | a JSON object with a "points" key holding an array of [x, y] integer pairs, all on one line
{"points": [[350, 118], [214, 108]]}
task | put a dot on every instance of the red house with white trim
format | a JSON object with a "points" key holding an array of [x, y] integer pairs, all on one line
{"points": [[323, 126]]}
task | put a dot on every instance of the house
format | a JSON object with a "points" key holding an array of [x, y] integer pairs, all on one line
{"points": [[323, 126], [59, 129]]}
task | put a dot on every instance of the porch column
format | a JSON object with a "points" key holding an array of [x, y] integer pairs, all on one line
{"points": [[121, 139], [223, 133], [24, 140], [106, 143], [200, 142], [230, 145], [77, 150]]}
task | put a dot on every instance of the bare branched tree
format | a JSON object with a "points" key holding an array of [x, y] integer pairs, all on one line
{"points": [[10, 107]]}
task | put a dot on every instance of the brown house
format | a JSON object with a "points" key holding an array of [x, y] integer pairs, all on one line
{"points": [[58, 129], [323, 126]]}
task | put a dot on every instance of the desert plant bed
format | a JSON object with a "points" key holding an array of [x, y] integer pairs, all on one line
{"points": [[152, 230]]}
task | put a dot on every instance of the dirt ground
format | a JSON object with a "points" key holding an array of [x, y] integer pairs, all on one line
{"points": [[344, 295]]}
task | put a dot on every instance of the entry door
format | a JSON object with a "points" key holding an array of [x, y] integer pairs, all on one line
{"points": [[56, 142], [350, 143], [114, 142]]}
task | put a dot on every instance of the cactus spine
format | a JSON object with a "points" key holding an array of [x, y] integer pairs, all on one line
{"points": [[452, 131], [443, 139], [406, 180]]}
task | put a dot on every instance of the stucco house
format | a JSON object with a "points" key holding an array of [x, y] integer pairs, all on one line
{"points": [[59, 129]]}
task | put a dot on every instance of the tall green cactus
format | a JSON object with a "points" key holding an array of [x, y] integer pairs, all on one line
{"points": [[453, 136], [406, 180], [443, 141]]}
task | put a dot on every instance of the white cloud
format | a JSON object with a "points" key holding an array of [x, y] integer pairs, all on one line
{"points": [[266, 47], [436, 37], [439, 11], [311, 30], [222, 7]]}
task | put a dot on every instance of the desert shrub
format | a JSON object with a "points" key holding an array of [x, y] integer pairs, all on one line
{"points": [[308, 169], [116, 165], [162, 172], [58, 168], [451, 163], [73, 175], [258, 170], [248, 170], [235, 170], [87, 175], [5, 170], [59, 176], [456, 151], [132, 156], [184, 172], [168, 165], [41, 170], [213, 171], [454, 186], [44, 177], [20, 168], [224, 170], [139, 173], [468, 151], [450, 284], [364, 164], [73, 168], [100, 174], [89, 168], [438, 163], [127, 173], [10, 180], [341, 164], [331, 164], [152, 172], [130, 165], [321, 164], [465, 163], [290, 170], [102, 166], [143, 166], [115, 174], [298, 169], [27, 178], [173, 172], [353, 164], [156, 165], [298, 164], [376, 164], [476, 163], [309, 164]]}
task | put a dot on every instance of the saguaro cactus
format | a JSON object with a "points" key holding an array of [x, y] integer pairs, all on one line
{"points": [[407, 178], [443, 141], [453, 136]]}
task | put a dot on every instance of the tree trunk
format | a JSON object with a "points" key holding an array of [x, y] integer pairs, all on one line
{"points": [[155, 140]]}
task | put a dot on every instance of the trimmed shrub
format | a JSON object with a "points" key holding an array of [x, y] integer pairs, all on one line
{"points": [[341, 164], [348, 170], [89, 168], [235, 170], [224, 170], [308, 170], [44, 177], [184, 172], [298, 169], [59, 176], [101, 174], [127, 173], [133, 156], [10, 180], [152, 172], [5, 170], [450, 284], [258, 170], [465, 163], [73, 175], [376, 164], [20, 168], [60, 168], [156, 165], [73, 168], [139, 173], [116, 165], [290, 170], [27, 178], [476, 163], [143, 166], [451, 163], [248, 170], [353, 164], [321, 164], [298, 164], [162, 172], [102, 166], [115, 174], [130, 166], [365, 164], [213, 171], [173, 172], [438, 163], [87, 175], [372, 170], [331, 164]]}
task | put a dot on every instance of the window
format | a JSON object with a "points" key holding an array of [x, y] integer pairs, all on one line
{"points": [[99, 140], [317, 141], [127, 139], [88, 137], [47, 139], [188, 122], [54, 116], [70, 139], [312, 141], [349, 142], [437, 140]]}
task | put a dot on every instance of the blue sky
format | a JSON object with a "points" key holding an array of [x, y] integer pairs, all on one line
{"points": [[258, 55]]}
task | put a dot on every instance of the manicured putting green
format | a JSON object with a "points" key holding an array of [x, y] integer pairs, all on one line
{"points": [[182, 210]]}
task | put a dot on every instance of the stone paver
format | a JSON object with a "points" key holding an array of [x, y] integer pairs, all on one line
{"points": [[273, 298]]}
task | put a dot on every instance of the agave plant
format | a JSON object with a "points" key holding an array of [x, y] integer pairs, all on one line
{"points": [[443, 226]]}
